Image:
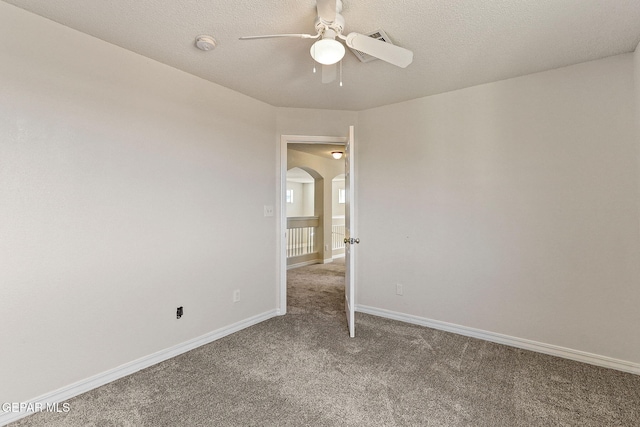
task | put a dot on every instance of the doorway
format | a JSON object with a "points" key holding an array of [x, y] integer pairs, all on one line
{"points": [[321, 145]]}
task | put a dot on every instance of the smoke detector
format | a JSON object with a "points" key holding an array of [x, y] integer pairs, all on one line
{"points": [[205, 43], [378, 35]]}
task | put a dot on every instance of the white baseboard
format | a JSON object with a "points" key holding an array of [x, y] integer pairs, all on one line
{"points": [[72, 390], [550, 349], [304, 264]]}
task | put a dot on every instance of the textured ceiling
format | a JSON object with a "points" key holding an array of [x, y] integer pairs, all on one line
{"points": [[456, 44]]}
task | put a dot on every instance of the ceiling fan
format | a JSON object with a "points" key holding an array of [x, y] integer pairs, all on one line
{"points": [[328, 51]]}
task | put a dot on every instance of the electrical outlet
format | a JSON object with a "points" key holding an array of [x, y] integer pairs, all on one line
{"points": [[326, 247], [236, 295], [179, 312], [268, 210], [399, 289]]}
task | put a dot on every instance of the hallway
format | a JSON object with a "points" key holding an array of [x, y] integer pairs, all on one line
{"points": [[316, 289]]}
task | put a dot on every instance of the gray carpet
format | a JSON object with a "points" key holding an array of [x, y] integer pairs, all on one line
{"points": [[302, 369]]}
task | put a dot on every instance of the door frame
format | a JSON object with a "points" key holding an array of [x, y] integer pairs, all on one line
{"points": [[281, 225]]}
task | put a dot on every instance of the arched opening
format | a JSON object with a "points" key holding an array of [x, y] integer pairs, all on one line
{"points": [[304, 207]]}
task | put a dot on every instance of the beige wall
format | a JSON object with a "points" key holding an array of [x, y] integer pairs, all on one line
{"points": [[636, 71], [116, 206], [303, 199], [313, 122], [338, 208], [512, 208]]}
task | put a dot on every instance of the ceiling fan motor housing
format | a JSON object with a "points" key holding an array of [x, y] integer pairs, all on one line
{"points": [[337, 25]]}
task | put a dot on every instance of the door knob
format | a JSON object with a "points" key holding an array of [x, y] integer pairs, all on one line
{"points": [[351, 241]]}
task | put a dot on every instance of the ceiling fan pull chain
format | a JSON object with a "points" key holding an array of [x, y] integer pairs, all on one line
{"points": [[341, 73]]}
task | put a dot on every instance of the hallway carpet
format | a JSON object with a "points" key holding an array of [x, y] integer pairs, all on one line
{"points": [[302, 369]]}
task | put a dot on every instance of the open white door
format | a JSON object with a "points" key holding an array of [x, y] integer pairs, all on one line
{"points": [[349, 234]]}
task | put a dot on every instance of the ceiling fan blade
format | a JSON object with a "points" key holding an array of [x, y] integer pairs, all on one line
{"points": [[329, 73], [273, 36], [327, 10], [392, 54]]}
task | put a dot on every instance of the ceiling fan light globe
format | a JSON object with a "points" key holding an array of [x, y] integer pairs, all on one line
{"points": [[327, 51]]}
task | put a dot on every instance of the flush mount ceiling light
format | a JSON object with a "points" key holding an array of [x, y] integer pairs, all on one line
{"points": [[336, 154]]}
